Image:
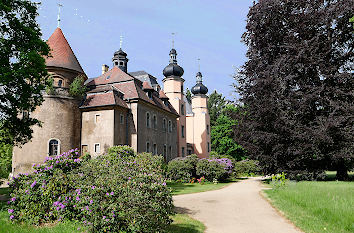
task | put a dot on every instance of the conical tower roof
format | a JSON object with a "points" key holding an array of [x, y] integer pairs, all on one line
{"points": [[61, 53]]}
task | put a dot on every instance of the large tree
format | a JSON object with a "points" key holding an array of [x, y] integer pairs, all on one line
{"points": [[22, 69], [297, 87], [222, 134], [216, 104]]}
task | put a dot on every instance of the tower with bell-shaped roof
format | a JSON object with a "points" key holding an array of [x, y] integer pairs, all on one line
{"points": [[173, 88]]}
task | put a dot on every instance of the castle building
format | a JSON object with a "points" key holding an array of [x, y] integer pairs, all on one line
{"points": [[119, 108]]}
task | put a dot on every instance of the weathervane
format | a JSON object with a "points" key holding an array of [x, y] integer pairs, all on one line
{"points": [[121, 41], [59, 6]]}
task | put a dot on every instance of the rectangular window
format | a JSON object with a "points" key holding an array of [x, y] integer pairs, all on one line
{"points": [[183, 152], [154, 149], [84, 149], [97, 148], [169, 126], [208, 147], [182, 109], [182, 129], [97, 118], [121, 119], [189, 152], [170, 150], [148, 147], [154, 122], [208, 129], [164, 124]]}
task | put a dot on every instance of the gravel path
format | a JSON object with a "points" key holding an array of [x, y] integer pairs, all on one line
{"points": [[237, 208]]}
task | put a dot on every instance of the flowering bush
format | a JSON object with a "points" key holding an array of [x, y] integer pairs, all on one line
{"points": [[117, 192], [121, 151], [201, 180], [212, 169], [247, 168]]}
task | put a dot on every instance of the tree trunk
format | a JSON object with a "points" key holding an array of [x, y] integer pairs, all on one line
{"points": [[342, 172]]}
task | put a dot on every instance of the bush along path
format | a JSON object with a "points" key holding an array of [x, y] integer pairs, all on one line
{"points": [[238, 207]]}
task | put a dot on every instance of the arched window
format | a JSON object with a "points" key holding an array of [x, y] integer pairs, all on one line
{"points": [[148, 120], [182, 109], [147, 147], [53, 147], [154, 120], [60, 83], [169, 126], [164, 124]]}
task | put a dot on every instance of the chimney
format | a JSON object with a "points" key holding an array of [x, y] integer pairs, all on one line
{"points": [[104, 68]]}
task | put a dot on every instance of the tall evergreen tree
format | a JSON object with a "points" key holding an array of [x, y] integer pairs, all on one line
{"points": [[22, 69], [297, 87]]}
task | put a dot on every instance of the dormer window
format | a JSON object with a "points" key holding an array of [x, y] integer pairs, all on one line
{"points": [[149, 94], [121, 63]]}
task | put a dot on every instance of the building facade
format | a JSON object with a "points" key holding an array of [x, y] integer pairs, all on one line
{"points": [[119, 108]]}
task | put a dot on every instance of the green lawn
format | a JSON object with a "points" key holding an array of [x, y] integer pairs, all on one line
{"points": [[186, 188], [326, 206], [182, 223]]}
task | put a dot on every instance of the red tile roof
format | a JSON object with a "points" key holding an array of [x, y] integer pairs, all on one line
{"points": [[112, 76], [100, 99], [146, 86], [61, 53], [163, 95]]}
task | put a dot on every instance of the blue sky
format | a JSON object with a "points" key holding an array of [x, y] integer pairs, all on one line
{"points": [[205, 29]]}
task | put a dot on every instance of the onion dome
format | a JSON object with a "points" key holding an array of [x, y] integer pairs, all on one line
{"points": [[199, 88], [173, 69]]}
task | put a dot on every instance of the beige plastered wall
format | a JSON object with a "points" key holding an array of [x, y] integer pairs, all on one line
{"points": [[61, 120]]}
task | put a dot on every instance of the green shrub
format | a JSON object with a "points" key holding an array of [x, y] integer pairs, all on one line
{"points": [[121, 151], [111, 193], [247, 168], [182, 169], [77, 88], [279, 180], [211, 169], [5, 160]]}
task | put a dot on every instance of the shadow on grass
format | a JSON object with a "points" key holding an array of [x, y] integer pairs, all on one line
{"points": [[183, 228]]}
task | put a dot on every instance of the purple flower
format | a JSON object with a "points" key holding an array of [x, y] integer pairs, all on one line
{"points": [[93, 187], [129, 178], [78, 198], [104, 217], [91, 202], [12, 217], [112, 193], [164, 183], [13, 199], [10, 211]]}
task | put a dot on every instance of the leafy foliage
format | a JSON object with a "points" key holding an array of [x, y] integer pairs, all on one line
{"points": [[247, 168], [77, 88], [22, 68], [211, 169], [222, 135], [297, 87], [111, 193], [216, 104], [188, 95], [182, 169], [5, 156], [49, 88]]}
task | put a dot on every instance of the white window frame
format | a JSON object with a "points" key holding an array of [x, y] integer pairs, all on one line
{"points": [[48, 147], [97, 115], [99, 147]]}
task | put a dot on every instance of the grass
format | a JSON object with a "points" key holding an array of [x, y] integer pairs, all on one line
{"points": [[326, 206], [182, 223], [186, 188]]}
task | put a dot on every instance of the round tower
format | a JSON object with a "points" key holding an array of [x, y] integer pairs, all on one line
{"points": [[201, 118], [59, 112], [173, 88]]}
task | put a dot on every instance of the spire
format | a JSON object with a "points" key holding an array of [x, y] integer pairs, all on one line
{"points": [[121, 42], [199, 88], [59, 7], [199, 75], [173, 39]]}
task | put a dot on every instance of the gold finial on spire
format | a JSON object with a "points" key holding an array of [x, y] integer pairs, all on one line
{"points": [[121, 41], [59, 7]]}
